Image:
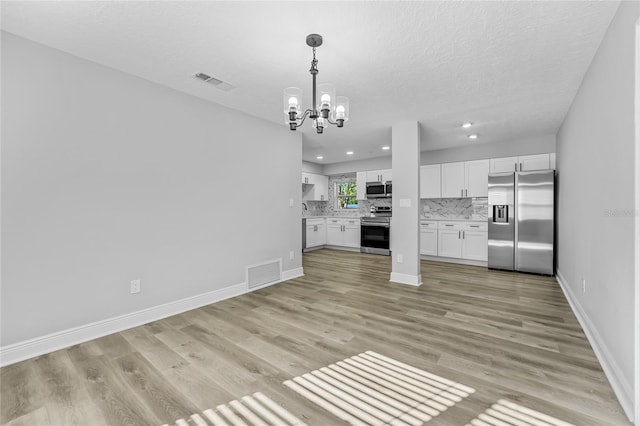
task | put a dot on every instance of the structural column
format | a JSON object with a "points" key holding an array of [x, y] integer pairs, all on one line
{"points": [[405, 225]]}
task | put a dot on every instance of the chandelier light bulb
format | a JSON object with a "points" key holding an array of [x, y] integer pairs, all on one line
{"points": [[340, 112], [293, 102], [325, 99]]}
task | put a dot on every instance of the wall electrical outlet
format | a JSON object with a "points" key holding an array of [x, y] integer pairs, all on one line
{"points": [[291, 255], [400, 258], [584, 286], [135, 286]]}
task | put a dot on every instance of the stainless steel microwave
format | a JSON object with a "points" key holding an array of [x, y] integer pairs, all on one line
{"points": [[376, 190], [388, 188]]}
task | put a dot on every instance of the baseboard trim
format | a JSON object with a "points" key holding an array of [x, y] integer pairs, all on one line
{"points": [[292, 273], [21, 351], [454, 260], [414, 280], [621, 387]]}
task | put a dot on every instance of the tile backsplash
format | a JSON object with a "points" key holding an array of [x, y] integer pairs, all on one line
{"points": [[438, 208], [454, 208], [328, 208]]}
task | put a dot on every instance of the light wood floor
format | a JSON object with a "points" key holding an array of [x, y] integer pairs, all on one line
{"points": [[507, 335]]}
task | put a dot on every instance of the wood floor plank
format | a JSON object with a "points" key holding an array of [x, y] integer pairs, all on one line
{"points": [[508, 336], [67, 399], [20, 391]]}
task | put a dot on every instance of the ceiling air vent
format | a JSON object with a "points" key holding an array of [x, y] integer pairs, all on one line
{"points": [[222, 85]]}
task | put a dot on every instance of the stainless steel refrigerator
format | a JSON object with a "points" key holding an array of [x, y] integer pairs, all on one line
{"points": [[521, 221]]}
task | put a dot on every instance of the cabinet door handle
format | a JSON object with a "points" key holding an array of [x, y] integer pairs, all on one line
{"points": [[520, 166], [475, 226], [516, 166], [458, 234], [466, 193]]}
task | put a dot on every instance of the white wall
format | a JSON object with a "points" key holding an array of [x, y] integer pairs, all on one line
{"points": [[107, 178], [596, 203], [538, 144], [378, 163], [312, 168]]}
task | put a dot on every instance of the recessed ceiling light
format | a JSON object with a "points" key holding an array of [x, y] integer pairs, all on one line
{"points": [[386, 148], [349, 152], [319, 157], [466, 125], [473, 136]]}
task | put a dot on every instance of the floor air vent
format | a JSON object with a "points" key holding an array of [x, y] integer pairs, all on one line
{"points": [[264, 273]]}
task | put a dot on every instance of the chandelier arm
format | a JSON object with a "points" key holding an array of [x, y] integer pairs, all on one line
{"points": [[331, 122], [304, 116]]}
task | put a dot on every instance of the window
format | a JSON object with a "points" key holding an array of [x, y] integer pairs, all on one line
{"points": [[346, 196]]}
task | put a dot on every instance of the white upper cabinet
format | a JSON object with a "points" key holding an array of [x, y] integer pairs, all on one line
{"points": [[430, 181], [465, 179], [524, 163], [315, 187], [379, 175], [503, 165], [453, 180], [476, 178], [361, 185], [533, 162]]}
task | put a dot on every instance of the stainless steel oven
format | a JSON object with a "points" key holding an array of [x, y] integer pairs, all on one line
{"points": [[375, 231]]}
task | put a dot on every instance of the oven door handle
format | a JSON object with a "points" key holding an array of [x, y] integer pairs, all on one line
{"points": [[378, 225]]}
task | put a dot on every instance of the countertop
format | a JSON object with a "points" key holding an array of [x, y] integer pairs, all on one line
{"points": [[440, 219], [444, 219], [331, 217]]}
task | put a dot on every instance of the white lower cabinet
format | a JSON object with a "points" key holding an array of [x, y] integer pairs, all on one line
{"points": [[315, 233], [351, 233], [343, 232], [449, 243], [429, 238], [474, 245], [462, 240], [334, 232]]}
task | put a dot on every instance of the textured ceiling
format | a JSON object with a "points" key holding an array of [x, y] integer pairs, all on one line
{"points": [[512, 68]]}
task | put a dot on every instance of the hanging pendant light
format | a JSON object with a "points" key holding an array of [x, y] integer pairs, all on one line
{"points": [[330, 109]]}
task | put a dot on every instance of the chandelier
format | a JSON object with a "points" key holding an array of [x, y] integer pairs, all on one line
{"points": [[331, 109]]}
